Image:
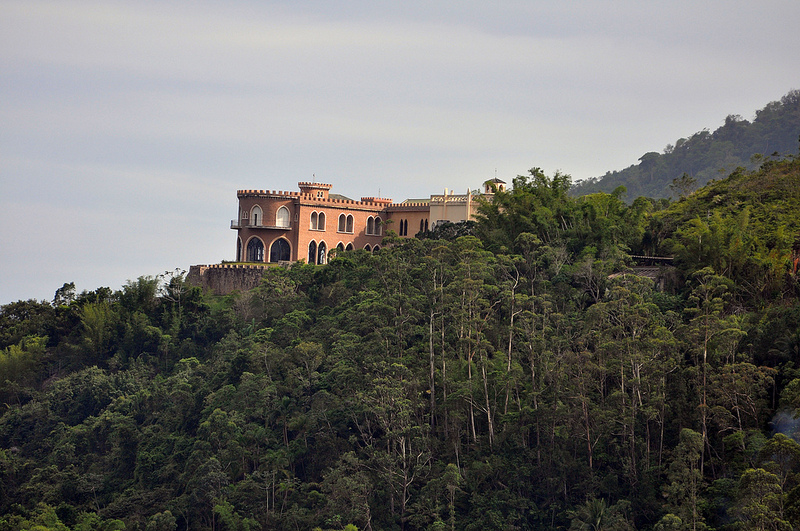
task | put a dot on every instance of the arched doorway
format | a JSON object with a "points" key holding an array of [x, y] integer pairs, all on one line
{"points": [[255, 250], [280, 251]]}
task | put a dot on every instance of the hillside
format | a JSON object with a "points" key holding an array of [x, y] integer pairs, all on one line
{"points": [[522, 378], [773, 133]]}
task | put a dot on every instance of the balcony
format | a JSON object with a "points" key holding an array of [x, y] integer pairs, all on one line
{"points": [[245, 224]]}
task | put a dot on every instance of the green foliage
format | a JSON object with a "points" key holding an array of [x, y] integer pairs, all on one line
{"points": [[743, 227], [521, 376], [706, 156]]}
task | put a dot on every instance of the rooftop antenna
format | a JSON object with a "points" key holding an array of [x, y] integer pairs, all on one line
{"points": [[313, 177]]}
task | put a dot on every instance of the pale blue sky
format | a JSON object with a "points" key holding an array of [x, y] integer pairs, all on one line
{"points": [[128, 126]]}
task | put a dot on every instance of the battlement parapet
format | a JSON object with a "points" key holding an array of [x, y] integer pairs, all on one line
{"points": [[368, 202], [376, 200], [306, 184], [222, 279], [265, 193], [408, 206]]}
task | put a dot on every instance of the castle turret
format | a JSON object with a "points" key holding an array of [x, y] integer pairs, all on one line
{"points": [[318, 190], [490, 186]]}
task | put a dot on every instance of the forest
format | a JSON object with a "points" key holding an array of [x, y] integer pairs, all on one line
{"points": [[707, 156], [512, 373]]}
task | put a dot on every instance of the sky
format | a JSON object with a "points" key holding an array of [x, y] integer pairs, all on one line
{"points": [[126, 127]]}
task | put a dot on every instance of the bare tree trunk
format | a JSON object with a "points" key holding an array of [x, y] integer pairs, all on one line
{"points": [[432, 380], [488, 405]]}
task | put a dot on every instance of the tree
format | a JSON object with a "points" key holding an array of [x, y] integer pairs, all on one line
{"points": [[683, 186], [707, 325], [684, 481], [596, 515], [65, 295], [760, 500]]}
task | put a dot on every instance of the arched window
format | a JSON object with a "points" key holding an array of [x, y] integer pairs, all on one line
{"points": [[340, 246], [321, 221], [426, 225], [350, 223], [282, 217], [421, 225], [370, 225], [255, 216], [313, 221], [405, 228], [376, 249], [322, 253], [349, 247], [342, 223], [377, 228], [368, 248], [312, 252], [280, 251], [255, 250], [238, 249]]}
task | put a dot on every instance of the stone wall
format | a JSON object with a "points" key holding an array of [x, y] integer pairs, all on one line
{"points": [[222, 279]]}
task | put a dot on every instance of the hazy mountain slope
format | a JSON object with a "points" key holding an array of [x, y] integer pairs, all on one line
{"points": [[705, 156]]}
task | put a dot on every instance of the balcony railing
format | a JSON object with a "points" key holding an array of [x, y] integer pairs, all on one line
{"points": [[245, 223]]}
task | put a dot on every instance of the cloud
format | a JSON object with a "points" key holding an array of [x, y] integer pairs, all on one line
{"points": [[156, 112]]}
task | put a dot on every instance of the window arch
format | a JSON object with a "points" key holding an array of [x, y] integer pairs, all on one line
{"points": [[376, 248], [421, 225], [280, 251], [313, 221], [342, 223], [256, 216], [350, 223], [255, 250], [312, 252], [239, 250], [426, 225], [368, 248], [282, 217], [321, 221], [349, 247], [340, 246], [370, 225], [377, 228], [322, 253]]}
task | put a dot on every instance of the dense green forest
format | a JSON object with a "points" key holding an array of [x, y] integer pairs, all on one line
{"points": [[514, 373], [707, 156]]}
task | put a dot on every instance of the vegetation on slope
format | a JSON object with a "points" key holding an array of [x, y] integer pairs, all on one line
{"points": [[514, 379], [706, 156]]}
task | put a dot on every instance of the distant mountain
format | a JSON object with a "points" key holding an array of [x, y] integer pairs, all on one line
{"points": [[705, 156]]}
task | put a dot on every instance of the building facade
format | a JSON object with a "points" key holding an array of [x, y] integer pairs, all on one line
{"points": [[275, 226]]}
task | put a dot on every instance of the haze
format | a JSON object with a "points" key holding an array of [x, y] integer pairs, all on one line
{"points": [[127, 127]]}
